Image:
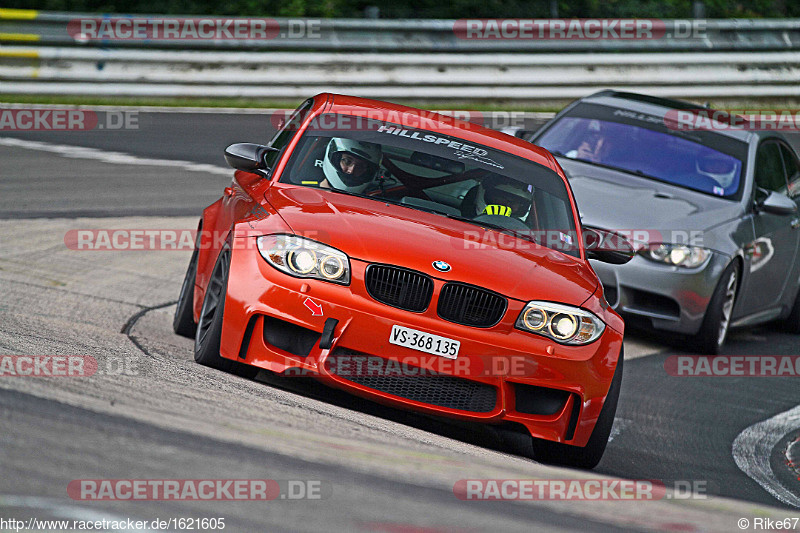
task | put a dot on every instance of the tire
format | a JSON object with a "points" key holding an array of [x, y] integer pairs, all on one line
{"points": [[716, 322], [183, 322], [588, 456], [209, 326], [791, 324]]}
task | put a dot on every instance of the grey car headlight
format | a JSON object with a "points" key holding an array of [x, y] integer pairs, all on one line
{"points": [[562, 323], [304, 258], [676, 255]]}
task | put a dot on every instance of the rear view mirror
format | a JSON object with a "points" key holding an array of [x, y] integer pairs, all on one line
{"points": [[434, 162], [607, 246], [247, 157]]}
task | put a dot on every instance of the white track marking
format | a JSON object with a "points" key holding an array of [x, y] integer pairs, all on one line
{"points": [[620, 425], [753, 447], [106, 156], [793, 456]]}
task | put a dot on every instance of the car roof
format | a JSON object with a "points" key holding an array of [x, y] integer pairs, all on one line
{"points": [[448, 125], [659, 107]]}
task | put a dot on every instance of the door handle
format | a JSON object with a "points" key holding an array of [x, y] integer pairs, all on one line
{"points": [[228, 191]]}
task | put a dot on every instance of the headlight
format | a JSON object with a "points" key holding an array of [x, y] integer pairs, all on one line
{"points": [[304, 258], [562, 323], [676, 254]]}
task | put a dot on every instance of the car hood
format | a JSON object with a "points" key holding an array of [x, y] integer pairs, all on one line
{"points": [[377, 232], [620, 201]]}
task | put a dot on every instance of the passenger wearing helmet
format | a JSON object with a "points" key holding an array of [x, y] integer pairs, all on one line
{"points": [[352, 166], [507, 198]]}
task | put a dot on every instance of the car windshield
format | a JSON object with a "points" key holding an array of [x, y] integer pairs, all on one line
{"points": [[436, 173], [643, 145]]}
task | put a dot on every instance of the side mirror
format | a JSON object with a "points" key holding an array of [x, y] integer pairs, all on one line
{"points": [[248, 157], [607, 246], [777, 204], [521, 133]]}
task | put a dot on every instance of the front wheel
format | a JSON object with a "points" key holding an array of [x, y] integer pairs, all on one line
{"points": [[791, 324], [717, 321], [589, 456], [183, 322], [209, 326]]}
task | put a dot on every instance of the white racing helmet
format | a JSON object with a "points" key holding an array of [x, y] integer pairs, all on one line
{"points": [[509, 198], [718, 167], [368, 156]]}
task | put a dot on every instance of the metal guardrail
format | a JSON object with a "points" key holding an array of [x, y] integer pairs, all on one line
{"points": [[429, 36], [741, 60]]}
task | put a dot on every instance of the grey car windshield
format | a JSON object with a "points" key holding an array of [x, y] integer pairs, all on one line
{"points": [[639, 144], [438, 173]]}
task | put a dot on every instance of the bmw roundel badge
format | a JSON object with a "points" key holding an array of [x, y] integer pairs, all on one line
{"points": [[441, 266]]}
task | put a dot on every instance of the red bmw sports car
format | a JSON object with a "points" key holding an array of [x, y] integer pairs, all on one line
{"points": [[414, 260]]}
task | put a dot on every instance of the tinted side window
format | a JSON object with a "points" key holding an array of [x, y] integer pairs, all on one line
{"points": [[792, 170], [769, 168], [287, 131]]}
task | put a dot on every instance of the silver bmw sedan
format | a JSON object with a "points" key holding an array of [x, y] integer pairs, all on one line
{"points": [[709, 199]]}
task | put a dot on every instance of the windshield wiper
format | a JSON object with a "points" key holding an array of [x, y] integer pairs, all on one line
{"points": [[473, 221], [641, 173], [393, 202], [636, 172], [348, 193]]}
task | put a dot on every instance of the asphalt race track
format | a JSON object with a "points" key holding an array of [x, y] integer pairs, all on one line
{"points": [[150, 412]]}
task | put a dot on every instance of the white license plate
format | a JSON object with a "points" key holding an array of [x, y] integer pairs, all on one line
{"points": [[424, 342]]}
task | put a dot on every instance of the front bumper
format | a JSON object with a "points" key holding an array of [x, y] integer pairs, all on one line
{"points": [[670, 298], [556, 396]]}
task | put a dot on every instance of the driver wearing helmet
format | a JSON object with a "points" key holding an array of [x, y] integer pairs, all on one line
{"points": [[594, 145], [720, 168], [352, 166], [506, 198]]}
